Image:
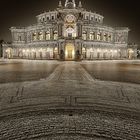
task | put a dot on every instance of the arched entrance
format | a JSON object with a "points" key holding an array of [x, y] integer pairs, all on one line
{"points": [[130, 54], [8, 53], [69, 52]]}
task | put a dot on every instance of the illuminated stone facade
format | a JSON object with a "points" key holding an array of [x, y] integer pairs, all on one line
{"points": [[69, 33]]}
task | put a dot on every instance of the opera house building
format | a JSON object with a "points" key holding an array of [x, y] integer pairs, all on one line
{"points": [[69, 33]]}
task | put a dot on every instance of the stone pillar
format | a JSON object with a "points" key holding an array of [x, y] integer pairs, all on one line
{"points": [[61, 51], [30, 36], [13, 37], [51, 33], [79, 26], [102, 35], [88, 33], [43, 32], [96, 32], [60, 30]]}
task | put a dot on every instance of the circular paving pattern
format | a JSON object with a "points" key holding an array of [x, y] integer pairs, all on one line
{"points": [[70, 124]]}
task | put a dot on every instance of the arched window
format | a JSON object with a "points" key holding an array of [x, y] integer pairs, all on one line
{"points": [[96, 19], [43, 19], [52, 17], [99, 36], [92, 36], [48, 18], [84, 35], [34, 36], [92, 18], [40, 35], [55, 34], [83, 49], [19, 38], [99, 19], [47, 35], [87, 17], [105, 37], [109, 38]]}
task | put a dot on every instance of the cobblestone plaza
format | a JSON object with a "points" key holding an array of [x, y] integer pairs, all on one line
{"points": [[69, 103]]}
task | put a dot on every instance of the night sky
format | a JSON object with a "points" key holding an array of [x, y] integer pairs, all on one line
{"points": [[116, 13]]}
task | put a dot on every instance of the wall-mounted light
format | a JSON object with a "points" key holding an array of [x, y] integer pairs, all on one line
{"points": [[40, 50], [98, 50], [131, 51], [33, 50], [7, 51]]}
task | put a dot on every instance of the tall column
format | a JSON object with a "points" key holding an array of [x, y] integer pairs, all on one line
{"points": [[51, 33], [60, 30], [44, 35], [30, 36], [102, 36], [79, 26], [96, 32], [13, 36], [88, 33]]}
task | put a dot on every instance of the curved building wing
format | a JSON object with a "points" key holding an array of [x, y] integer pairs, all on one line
{"points": [[69, 33]]}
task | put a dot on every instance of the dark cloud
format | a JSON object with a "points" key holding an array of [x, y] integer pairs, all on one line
{"points": [[116, 13]]}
